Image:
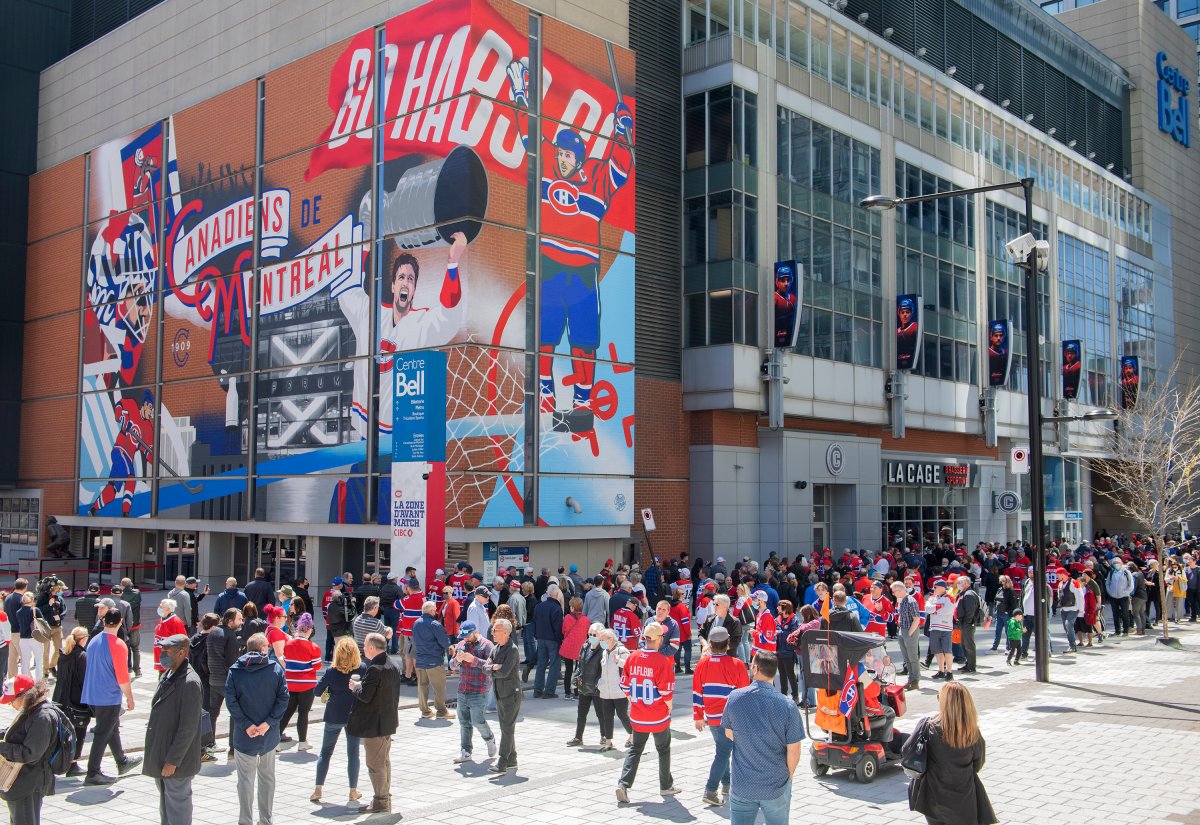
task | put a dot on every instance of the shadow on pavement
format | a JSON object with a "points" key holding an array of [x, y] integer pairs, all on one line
{"points": [[1171, 705], [93, 796], [669, 809], [891, 786]]}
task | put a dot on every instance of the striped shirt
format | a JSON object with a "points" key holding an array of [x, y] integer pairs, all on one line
{"points": [[302, 660], [365, 625], [410, 611], [716, 676]]}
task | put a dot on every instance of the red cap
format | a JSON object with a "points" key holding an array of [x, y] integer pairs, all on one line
{"points": [[15, 686]]}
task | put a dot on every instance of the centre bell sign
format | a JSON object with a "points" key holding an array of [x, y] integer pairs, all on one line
{"points": [[1174, 110]]}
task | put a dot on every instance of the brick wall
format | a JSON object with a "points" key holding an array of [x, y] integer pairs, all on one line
{"points": [[730, 429], [662, 463]]}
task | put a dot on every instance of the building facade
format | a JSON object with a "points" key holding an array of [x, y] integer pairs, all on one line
{"points": [[242, 218]]}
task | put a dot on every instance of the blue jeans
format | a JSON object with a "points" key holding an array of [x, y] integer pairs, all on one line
{"points": [[718, 774], [391, 618], [775, 811], [328, 741], [530, 646], [470, 715], [683, 656], [1001, 619], [547, 659]]}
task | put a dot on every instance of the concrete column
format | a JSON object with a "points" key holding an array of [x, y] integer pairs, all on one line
{"points": [[214, 558]]}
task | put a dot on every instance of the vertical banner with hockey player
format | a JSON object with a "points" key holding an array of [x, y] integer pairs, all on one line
{"points": [[910, 315], [999, 349], [789, 298], [359, 265], [1131, 377], [1072, 368]]}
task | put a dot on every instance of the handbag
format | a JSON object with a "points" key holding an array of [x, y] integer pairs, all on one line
{"points": [[41, 630], [915, 757]]}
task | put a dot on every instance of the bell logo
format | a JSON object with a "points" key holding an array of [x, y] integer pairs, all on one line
{"points": [[414, 386]]}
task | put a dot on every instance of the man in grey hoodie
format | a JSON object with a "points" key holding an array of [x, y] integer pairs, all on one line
{"points": [[595, 601]]}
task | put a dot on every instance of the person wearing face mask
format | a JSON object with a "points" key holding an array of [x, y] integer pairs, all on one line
{"points": [[172, 755], [611, 701], [169, 624], [588, 670], [470, 657], [27, 742]]}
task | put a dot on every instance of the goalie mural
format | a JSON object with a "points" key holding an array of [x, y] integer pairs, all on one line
{"points": [[373, 239]]}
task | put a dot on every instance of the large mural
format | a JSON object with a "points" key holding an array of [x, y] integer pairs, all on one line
{"points": [[488, 213]]}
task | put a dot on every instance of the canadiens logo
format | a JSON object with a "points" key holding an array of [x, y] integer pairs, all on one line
{"points": [[564, 197]]}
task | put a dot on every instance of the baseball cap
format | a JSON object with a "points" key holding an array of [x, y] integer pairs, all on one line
{"points": [[337, 581], [653, 631], [939, 583], [480, 591], [718, 634], [177, 640], [439, 572], [721, 560], [759, 595], [393, 576], [684, 573], [192, 580], [15, 686], [287, 592], [93, 588], [465, 629], [574, 568], [710, 586], [514, 584]]}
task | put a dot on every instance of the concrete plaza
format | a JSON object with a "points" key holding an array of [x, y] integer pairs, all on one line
{"points": [[1114, 738]]}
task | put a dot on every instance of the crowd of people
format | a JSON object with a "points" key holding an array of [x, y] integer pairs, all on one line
{"points": [[615, 642]]}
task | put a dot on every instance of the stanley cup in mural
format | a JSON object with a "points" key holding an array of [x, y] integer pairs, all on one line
{"points": [[224, 327]]}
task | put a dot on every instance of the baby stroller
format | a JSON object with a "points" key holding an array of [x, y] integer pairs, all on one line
{"points": [[857, 703]]}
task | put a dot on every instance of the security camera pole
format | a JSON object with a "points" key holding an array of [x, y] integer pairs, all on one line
{"points": [[1037, 505]]}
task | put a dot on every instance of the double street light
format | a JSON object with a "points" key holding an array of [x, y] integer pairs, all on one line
{"points": [[1037, 505]]}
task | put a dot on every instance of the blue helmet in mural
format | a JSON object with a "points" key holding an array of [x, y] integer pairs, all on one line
{"points": [[904, 302], [147, 398], [571, 141], [997, 326]]}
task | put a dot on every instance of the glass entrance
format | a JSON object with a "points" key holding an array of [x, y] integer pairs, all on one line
{"points": [[244, 561], [284, 559], [179, 555], [99, 546]]}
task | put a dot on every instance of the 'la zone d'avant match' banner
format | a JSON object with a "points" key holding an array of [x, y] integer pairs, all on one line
{"points": [[418, 456]]}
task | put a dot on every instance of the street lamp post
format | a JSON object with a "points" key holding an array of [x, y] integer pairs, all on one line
{"points": [[1037, 505]]}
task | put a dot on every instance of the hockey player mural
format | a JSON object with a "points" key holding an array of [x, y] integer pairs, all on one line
{"points": [[248, 298]]}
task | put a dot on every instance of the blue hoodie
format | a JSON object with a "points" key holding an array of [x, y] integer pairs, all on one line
{"points": [[256, 692]]}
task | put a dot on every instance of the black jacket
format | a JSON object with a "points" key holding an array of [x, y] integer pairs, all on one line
{"points": [[249, 628], [52, 611], [68, 690], [389, 593], [506, 680], [198, 655], [341, 700], [1006, 602], [842, 618], [375, 711], [363, 591], [950, 789], [731, 624], [341, 614], [587, 671], [303, 595], [222, 649], [85, 611], [30, 741], [173, 732], [261, 593], [134, 597]]}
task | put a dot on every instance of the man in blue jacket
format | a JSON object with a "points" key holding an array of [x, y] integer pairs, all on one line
{"points": [[430, 645], [260, 591], [257, 696], [230, 597]]}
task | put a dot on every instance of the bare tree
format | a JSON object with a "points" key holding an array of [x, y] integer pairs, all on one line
{"points": [[1154, 479]]}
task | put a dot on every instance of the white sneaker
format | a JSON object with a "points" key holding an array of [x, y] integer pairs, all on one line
{"points": [[492, 747], [463, 756], [303, 746], [622, 794]]}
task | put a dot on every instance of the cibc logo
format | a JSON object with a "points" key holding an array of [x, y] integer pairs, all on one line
{"points": [[1174, 109]]}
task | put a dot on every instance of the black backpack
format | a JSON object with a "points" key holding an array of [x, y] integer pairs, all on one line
{"points": [[62, 748]]}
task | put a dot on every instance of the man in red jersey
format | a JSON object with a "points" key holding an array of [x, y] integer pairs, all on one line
{"points": [[717, 675], [649, 682]]}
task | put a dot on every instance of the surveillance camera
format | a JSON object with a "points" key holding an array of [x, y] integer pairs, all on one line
{"points": [[1019, 248]]}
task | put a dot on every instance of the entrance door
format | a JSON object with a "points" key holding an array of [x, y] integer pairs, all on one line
{"points": [[821, 516], [100, 555], [179, 555], [244, 560], [283, 558]]}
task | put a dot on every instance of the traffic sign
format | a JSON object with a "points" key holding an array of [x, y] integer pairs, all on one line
{"points": [[1018, 462], [647, 519]]}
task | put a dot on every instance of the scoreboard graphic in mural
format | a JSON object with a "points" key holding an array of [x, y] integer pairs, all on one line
{"points": [[218, 326]]}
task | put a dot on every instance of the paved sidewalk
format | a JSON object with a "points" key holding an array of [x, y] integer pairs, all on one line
{"points": [[1114, 739]]}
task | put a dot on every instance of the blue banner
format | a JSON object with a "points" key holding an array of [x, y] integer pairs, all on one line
{"points": [[419, 406]]}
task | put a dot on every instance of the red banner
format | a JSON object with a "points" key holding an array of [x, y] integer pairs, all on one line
{"points": [[446, 67]]}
